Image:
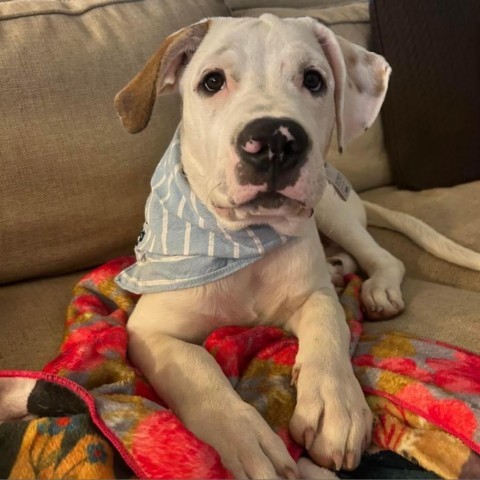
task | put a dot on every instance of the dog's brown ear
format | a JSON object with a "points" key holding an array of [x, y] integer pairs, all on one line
{"points": [[134, 103], [361, 81]]}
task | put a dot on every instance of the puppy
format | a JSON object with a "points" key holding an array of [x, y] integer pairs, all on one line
{"points": [[230, 235]]}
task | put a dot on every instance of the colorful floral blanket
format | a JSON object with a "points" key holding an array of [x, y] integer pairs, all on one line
{"points": [[91, 414]]}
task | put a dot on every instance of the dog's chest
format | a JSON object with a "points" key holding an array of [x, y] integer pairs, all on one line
{"points": [[269, 291]]}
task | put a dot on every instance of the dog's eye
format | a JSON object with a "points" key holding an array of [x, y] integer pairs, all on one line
{"points": [[313, 81], [213, 82]]}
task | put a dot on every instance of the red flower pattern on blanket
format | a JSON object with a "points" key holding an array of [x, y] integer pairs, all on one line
{"points": [[461, 374]]}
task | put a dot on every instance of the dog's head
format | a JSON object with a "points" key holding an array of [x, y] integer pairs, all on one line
{"points": [[261, 98]]}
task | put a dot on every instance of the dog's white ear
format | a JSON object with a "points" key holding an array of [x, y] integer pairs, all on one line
{"points": [[134, 103], [361, 81]]}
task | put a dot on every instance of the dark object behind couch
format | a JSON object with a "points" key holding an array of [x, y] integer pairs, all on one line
{"points": [[432, 111]]}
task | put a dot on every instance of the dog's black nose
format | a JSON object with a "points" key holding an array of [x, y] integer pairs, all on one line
{"points": [[277, 144]]}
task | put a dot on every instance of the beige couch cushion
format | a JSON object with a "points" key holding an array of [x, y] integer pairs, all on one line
{"points": [[452, 211], [364, 161], [32, 320], [73, 183], [436, 312], [33, 313]]}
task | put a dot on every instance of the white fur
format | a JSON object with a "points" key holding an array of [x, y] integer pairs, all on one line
{"points": [[424, 235], [291, 286], [14, 393]]}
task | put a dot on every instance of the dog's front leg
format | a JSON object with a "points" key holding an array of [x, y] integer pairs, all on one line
{"points": [[192, 384], [345, 224], [332, 418]]}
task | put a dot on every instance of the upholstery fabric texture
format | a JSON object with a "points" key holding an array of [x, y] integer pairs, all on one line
{"points": [[451, 211], [364, 161], [32, 320], [437, 312], [432, 111], [73, 182]]}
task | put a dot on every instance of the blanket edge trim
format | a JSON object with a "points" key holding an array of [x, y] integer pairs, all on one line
{"points": [[408, 406], [89, 400]]}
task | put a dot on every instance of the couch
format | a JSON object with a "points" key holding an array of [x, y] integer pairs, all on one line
{"points": [[73, 183]]}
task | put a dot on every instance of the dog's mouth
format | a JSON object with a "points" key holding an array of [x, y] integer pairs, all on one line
{"points": [[266, 204], [270, 200]]}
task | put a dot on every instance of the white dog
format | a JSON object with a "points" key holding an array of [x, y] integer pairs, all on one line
{"points": [[231, 231]]}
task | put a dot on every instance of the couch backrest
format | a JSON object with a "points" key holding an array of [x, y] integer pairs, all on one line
{"points": [[73, 183]]}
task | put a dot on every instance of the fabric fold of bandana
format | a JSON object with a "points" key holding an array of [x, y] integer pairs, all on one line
{"points": [[182, 245]]}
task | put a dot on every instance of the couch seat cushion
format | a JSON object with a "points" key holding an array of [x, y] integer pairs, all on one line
{"points": [[437, 312], [32, 319], [452, 211]]}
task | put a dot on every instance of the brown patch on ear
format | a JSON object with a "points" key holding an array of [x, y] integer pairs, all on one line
{"points": [[375, 87], [357, 84], [134, 103], [351, 60], [379, 88]]}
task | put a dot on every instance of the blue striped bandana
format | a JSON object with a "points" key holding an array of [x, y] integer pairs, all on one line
{"points": [[182, 245]]}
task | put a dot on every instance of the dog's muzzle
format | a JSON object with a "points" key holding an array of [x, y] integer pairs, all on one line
{"points": [[271, 150]]}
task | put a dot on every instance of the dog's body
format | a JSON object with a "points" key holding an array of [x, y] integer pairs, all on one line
{"points": [[266, 68], [289, 287]]}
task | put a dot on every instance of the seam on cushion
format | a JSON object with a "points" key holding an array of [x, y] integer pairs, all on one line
{"points": [[314, 4], [330, 4], [75, 13], [333, 4], [343, 22], [339, 22]]}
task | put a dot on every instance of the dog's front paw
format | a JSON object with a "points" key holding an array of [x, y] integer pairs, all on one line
{"points": [[340, 265], [332, 418], [382, 298], [248, 447]]}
